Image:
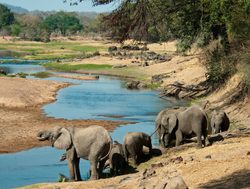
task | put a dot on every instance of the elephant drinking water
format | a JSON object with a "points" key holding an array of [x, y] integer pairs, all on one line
{"points": [[181, 124], [92, 143]]}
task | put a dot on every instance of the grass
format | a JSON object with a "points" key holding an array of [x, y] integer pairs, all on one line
{"points": [[71, 68], [52, 50], [41, 74]]}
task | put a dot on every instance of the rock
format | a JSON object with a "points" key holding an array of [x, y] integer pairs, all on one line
{"points": [[188, 159], [141, 86], [3, 72], [248, 153], [145, 64], [119, 66], [112, 48], [148, 173], [157, 165], [135, 62], [208, 157], [125, 179], [110, 187], [132, 85], [130, 47], [176, 160], [176, 183], [96, 53], [144, 48]]}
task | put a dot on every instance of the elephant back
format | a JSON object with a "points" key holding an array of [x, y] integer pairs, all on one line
{"points": [[93, 140]]}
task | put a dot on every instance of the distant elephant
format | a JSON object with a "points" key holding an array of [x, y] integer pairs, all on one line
{"points": [[133, 143], [117, 159], [92, 143], [219, 122], [160, 117], [184, 124]]}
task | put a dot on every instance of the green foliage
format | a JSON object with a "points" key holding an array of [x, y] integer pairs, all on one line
{"points": [[15, 30], [41, 74], [63, 22], [219, 67], [72, 68], [245, 69], [6, 17], [22, 74]]}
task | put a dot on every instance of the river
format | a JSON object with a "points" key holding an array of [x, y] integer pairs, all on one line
{"points": [[101, 99]]}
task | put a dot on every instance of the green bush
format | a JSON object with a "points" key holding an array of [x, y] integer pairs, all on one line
{"points": [[220, 67], [41, 74]]}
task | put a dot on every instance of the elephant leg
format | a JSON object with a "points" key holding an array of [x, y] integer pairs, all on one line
{"points": [[93, 168], [71, 168], [73, 163], [100, 167], [199, 141], [76, 169], [179, 138], [205, 138]]}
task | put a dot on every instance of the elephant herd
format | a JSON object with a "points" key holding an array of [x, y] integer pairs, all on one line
{"points": [[95, 144]]}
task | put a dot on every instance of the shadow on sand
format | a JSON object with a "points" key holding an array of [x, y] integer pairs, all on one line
{"points": [[238, 179]]}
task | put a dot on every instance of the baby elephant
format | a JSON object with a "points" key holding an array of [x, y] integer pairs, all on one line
{"points": [[117, 159], [133, 143], [219, 121]]}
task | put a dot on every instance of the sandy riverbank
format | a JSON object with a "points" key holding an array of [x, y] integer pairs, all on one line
{"points": [[21, 116], [225, 164]]}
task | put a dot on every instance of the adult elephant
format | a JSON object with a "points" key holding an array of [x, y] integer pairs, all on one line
{"points": [[159, 129], [219, 121], [92, 143], [192, 121], [133, 143]]}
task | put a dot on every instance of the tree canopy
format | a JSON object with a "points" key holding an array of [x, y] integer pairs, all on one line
{"points": [[187, 20], [63, 22], [6, 17]]}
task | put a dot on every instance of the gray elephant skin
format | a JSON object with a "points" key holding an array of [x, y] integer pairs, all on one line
{"points": [[117, 159], [92, 143], [133, 143], [184, 124], [219, 122], [159, 118]]}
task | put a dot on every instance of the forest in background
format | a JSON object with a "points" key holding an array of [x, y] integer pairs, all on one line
{"points": [[220, 27]]}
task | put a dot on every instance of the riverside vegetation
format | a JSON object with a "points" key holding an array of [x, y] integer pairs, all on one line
{"points": [[210, 63]]}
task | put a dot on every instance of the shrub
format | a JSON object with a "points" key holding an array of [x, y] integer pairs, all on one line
{"points": [[220, 67]]}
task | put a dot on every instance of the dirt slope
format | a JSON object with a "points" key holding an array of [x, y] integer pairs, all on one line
{"points": [[225, 164]]}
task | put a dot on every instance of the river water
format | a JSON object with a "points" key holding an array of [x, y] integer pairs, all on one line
{"points": [[100, 99]]}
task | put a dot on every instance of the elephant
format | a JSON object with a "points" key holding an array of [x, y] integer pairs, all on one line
{"points": [[219, 121], [184, 124], [117, 159], [160, 117], [133, 143], [92, 143]]}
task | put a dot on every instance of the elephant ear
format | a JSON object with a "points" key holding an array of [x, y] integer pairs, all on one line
{"points": [[64, 140], [170, 121]]}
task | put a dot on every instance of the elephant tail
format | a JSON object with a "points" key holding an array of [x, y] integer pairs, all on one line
{"points": [[110, 148], [156, 129]]}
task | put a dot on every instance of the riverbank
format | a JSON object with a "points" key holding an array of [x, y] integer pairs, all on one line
{"points": [[225, 164], [21, 115]]}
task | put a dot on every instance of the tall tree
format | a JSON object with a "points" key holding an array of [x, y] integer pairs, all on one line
{"points": [[6, 17], [63, 22]]}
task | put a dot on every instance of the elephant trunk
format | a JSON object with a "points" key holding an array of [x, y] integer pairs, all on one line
{"points": [[43, 135]]}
